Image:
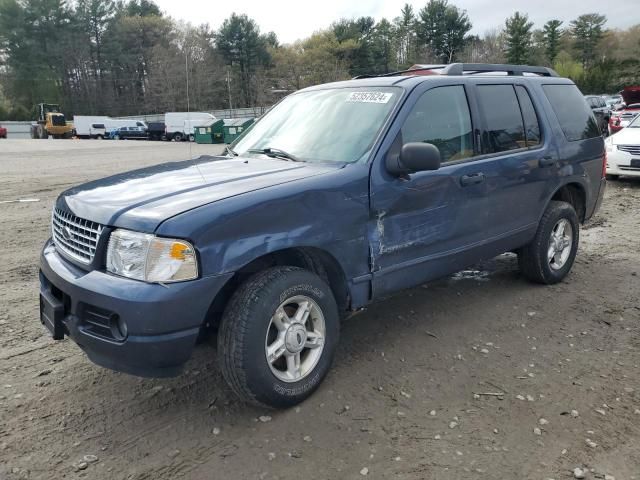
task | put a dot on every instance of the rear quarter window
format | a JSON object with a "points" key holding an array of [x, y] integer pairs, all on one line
{"points": [[574, 115]]}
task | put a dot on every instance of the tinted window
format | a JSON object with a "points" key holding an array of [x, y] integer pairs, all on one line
{"points": [[573, 113], [441, 117], [504, 126], [97, 125], [531, 124]]}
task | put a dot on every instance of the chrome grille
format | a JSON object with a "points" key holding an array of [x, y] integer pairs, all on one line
{"points": [[632, 149], [75, 237]]}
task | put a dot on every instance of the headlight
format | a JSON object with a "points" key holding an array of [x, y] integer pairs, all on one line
{"points": [[142, 256], [608, 144]]}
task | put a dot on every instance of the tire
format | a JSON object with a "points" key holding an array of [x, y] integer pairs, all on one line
{"points": [[42, 132], [192, 138], [534, 259], [116, 137], [248, 328], [612, 177], [177, 137]]}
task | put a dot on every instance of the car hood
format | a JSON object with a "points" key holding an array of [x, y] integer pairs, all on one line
{"points": [[626, 136], [142, 199]]}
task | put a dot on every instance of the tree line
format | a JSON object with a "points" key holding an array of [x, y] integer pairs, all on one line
{"points": [[117, 57]]}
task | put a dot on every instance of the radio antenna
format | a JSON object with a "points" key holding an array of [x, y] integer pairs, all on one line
{"points": [[189, 126]]}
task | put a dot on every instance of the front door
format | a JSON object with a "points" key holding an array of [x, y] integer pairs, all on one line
{"points": [[426, 224]]}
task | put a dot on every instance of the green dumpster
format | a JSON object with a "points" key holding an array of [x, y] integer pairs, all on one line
{"points": [[233, 128], [211, 133]]}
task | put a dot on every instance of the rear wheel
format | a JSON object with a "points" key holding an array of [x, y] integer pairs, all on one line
{"points": [[550, 256], [278, 336], [192, 138], [177, 137]]}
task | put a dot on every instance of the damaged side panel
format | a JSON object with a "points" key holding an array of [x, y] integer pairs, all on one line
{"points": [[418, 220]]}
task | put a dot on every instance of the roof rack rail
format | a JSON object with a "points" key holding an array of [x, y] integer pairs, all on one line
{"points": [[453, 69], [419, 68], [473, 68]]}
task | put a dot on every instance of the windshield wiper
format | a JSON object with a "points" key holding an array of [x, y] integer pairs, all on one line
{"points": [[275, 153]]}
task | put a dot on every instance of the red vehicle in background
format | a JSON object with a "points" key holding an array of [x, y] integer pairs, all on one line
{"points": [[3, 132], [621, 118]]}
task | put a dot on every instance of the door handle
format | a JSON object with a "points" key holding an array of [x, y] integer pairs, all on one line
{"points": [[547, 162], [472, 179]]}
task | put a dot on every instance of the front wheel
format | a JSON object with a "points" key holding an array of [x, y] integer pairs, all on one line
{"points": [[278, 337], [550, 255]]}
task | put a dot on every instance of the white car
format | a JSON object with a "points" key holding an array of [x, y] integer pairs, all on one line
{"points": [[623, 151]]}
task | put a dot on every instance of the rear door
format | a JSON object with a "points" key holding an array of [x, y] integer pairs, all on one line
{"points": [[525, 159]]}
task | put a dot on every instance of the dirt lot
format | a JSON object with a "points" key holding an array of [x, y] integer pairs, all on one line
{"points": [[402, 399]]}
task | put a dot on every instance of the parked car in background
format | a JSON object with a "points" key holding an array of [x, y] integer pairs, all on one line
{"points": [[156, 131], [129, 133], [623, 151], [180, 125], [90, 126], [613, 100], [600, 110], [340, 195], [3, 132], [622, 117]]}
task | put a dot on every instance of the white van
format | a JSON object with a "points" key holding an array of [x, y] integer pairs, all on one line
{"points": [[180, 125], [90, 126], [98, 126], [112, 123]]}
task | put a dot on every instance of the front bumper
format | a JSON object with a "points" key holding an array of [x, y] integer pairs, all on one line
{"points": [[620, 163], [162, 322]]}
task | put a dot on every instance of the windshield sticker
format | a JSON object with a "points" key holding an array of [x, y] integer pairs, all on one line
{"points": [[369, 97]]}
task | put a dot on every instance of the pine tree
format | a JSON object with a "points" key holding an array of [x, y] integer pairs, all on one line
{"points": [[551, 34], [518, 38], [587, 33], [443, 28]]}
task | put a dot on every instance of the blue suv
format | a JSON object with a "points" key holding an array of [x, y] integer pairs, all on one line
{"points": [[341, 194]]}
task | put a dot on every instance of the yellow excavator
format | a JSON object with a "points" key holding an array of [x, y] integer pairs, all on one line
{"points": [[50, 122]]}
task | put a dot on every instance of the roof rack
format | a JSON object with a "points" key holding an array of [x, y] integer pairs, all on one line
{"points": [[471, 69]]}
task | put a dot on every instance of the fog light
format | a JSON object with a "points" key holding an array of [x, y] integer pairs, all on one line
{"points": [[118, 327]]}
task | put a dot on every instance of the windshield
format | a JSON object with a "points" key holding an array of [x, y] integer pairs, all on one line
{"points": [[635, 123], [334, 125]]}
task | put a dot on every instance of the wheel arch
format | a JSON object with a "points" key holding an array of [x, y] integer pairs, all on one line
{"points": [[314, 259], [575, 194]]}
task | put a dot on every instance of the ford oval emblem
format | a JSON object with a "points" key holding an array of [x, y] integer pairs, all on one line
{"points": [[67, 233]]}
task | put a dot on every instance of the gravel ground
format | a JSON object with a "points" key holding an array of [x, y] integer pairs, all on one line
{"points": [[479, 375]]}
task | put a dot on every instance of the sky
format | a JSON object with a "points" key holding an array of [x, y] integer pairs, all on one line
{"points": [[297, 19]]}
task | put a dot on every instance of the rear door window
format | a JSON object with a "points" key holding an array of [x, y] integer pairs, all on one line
{"points": [[441, 117], [574, 115], [531, 124], [503, 121]]}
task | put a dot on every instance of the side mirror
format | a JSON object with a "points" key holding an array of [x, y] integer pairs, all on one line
{"points": [[414, 157]]}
